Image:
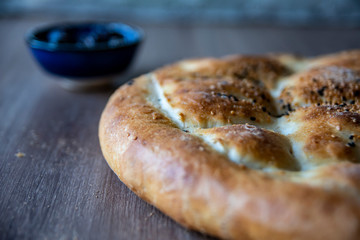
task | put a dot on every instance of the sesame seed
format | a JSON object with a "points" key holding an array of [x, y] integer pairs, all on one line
{"points": [[20, 155], [154, 116]]}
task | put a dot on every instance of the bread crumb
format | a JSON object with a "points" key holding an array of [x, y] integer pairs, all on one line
{"points": [[20, 155], [149, 215]]}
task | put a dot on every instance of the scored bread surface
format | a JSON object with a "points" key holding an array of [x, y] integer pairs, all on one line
{"points": [[244, 147]]}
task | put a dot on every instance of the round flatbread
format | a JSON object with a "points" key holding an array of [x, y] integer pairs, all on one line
{"points": [[244, 147]]}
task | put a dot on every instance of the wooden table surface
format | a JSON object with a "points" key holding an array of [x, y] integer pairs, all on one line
{"points": [[62, 188]]}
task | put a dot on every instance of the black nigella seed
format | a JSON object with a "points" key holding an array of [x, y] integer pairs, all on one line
{"points": [[352, 101], [356, 93], [351, 144], [289, 107], [185, 131], [263, 109], [240, 76], [351, 137], [234, 98], [343, 98], [252, 118], [131, 82], [321, 91]]}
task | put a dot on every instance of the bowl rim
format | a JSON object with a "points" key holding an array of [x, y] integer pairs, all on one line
{"points": [[34, 43]]}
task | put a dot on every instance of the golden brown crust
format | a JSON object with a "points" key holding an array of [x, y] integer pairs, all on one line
{"points": [[194, 183], [224, 99], [265, 148], [325, 85], [267, 69]]}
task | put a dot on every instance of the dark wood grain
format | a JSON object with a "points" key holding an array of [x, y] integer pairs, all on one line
{"points": [[62, 188]]}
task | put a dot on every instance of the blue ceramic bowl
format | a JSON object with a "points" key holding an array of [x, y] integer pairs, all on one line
{"points": [[87, 52]]}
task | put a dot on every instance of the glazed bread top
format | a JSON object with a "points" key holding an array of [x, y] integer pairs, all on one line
{"points": [[278, 112]]}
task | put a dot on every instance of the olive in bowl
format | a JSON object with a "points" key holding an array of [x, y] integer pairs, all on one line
{"points": [[85, 54]]}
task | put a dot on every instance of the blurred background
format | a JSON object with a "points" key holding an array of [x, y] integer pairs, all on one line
{"points": [[329, 13], [178, 29]]}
